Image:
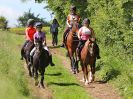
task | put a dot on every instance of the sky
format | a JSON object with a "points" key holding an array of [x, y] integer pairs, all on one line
{"points": [[12, 9]]}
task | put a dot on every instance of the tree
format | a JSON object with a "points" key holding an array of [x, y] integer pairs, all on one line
{"points": [[22, 20], [3, 23]]}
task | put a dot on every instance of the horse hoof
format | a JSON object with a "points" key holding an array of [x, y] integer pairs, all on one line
{"points": [[36, 83], [74, 72], [86, 83], [82, 80], [30, 75], [77, 71]]}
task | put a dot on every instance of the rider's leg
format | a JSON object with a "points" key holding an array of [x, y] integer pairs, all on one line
{"points": [[64, 36], [22, 49], [50, 56], [31, 56], [97, 51]]}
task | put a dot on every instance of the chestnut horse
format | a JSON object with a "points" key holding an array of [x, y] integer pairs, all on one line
{"points": [[88, 57], [71, 45]]}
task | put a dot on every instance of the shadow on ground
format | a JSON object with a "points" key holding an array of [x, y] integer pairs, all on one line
{"points": [[63, 84]]}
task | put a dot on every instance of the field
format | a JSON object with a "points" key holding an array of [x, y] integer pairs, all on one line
{"points": [[112, 69]]}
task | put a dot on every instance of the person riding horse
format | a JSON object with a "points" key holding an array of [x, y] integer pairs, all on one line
{"points": [[70, 18], [41, 36], [29, 32], [85, 33]]}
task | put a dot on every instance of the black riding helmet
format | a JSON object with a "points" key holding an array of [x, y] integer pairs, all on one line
{"points": [[38, 25], [73, 8], [30, 22], [86, 21]]}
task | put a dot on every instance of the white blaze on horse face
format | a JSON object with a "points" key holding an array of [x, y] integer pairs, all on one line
{"points": [[91, 49]]}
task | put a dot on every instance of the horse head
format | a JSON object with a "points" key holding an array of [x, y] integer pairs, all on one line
{"points": [[75, 26], [90, 44], [39, 45]]}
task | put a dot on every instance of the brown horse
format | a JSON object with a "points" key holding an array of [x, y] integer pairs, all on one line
{"points": [[26, 55], [71, 45], [88, 57]]}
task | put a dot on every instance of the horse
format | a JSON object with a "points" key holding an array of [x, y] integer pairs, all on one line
{"points": [[88, 57], [26, 55], [71, 45], [40, 62]]}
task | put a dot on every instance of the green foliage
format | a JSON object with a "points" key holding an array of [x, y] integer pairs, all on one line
{"points": [[3, 23], [22, 20], [61, 8]]}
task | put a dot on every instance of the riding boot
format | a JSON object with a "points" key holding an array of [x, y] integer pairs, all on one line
{"points": [[64, 37], [51, 62], [22, 53], [97, 52]]}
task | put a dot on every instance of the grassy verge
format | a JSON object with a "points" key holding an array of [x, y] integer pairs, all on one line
{"points": [[12, 82]]}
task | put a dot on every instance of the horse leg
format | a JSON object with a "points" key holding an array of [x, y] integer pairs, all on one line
{"points": [[42, 78], [73, 65], [86, 75], [83, 80], [36, 76], [92, 72], [29, 69], [76, 63]]}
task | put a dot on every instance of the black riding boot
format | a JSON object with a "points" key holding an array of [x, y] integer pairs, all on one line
{"points": [[51, 62], [97, 51], [22, 53], [64, 37]]}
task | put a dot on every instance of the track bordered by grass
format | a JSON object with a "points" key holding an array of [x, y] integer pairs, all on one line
{"points": [[59, 80]]}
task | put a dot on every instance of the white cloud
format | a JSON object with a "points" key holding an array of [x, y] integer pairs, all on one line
{"points": [[10, 13]]}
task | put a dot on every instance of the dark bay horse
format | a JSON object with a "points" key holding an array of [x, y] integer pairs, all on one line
{"points": [[88, 57], [26, 55], [71, 45], [40, 62]]}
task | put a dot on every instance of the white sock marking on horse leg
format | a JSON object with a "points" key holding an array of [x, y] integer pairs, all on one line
{"points": [[90, 77]]}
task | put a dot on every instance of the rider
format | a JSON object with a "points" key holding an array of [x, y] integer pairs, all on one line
{"points": [[40, 35], [85, 33], [72, 16], [29, 32]]}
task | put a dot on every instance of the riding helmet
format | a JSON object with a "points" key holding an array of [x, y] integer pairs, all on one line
{"points": [[86, 21], [30, 22], [38, 25], [73, 8]]}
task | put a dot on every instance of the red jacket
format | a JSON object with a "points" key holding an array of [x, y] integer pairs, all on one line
{"points": [[30, 31]]}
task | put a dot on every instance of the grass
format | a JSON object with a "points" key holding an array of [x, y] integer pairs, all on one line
{"points": [[12, 82]]}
